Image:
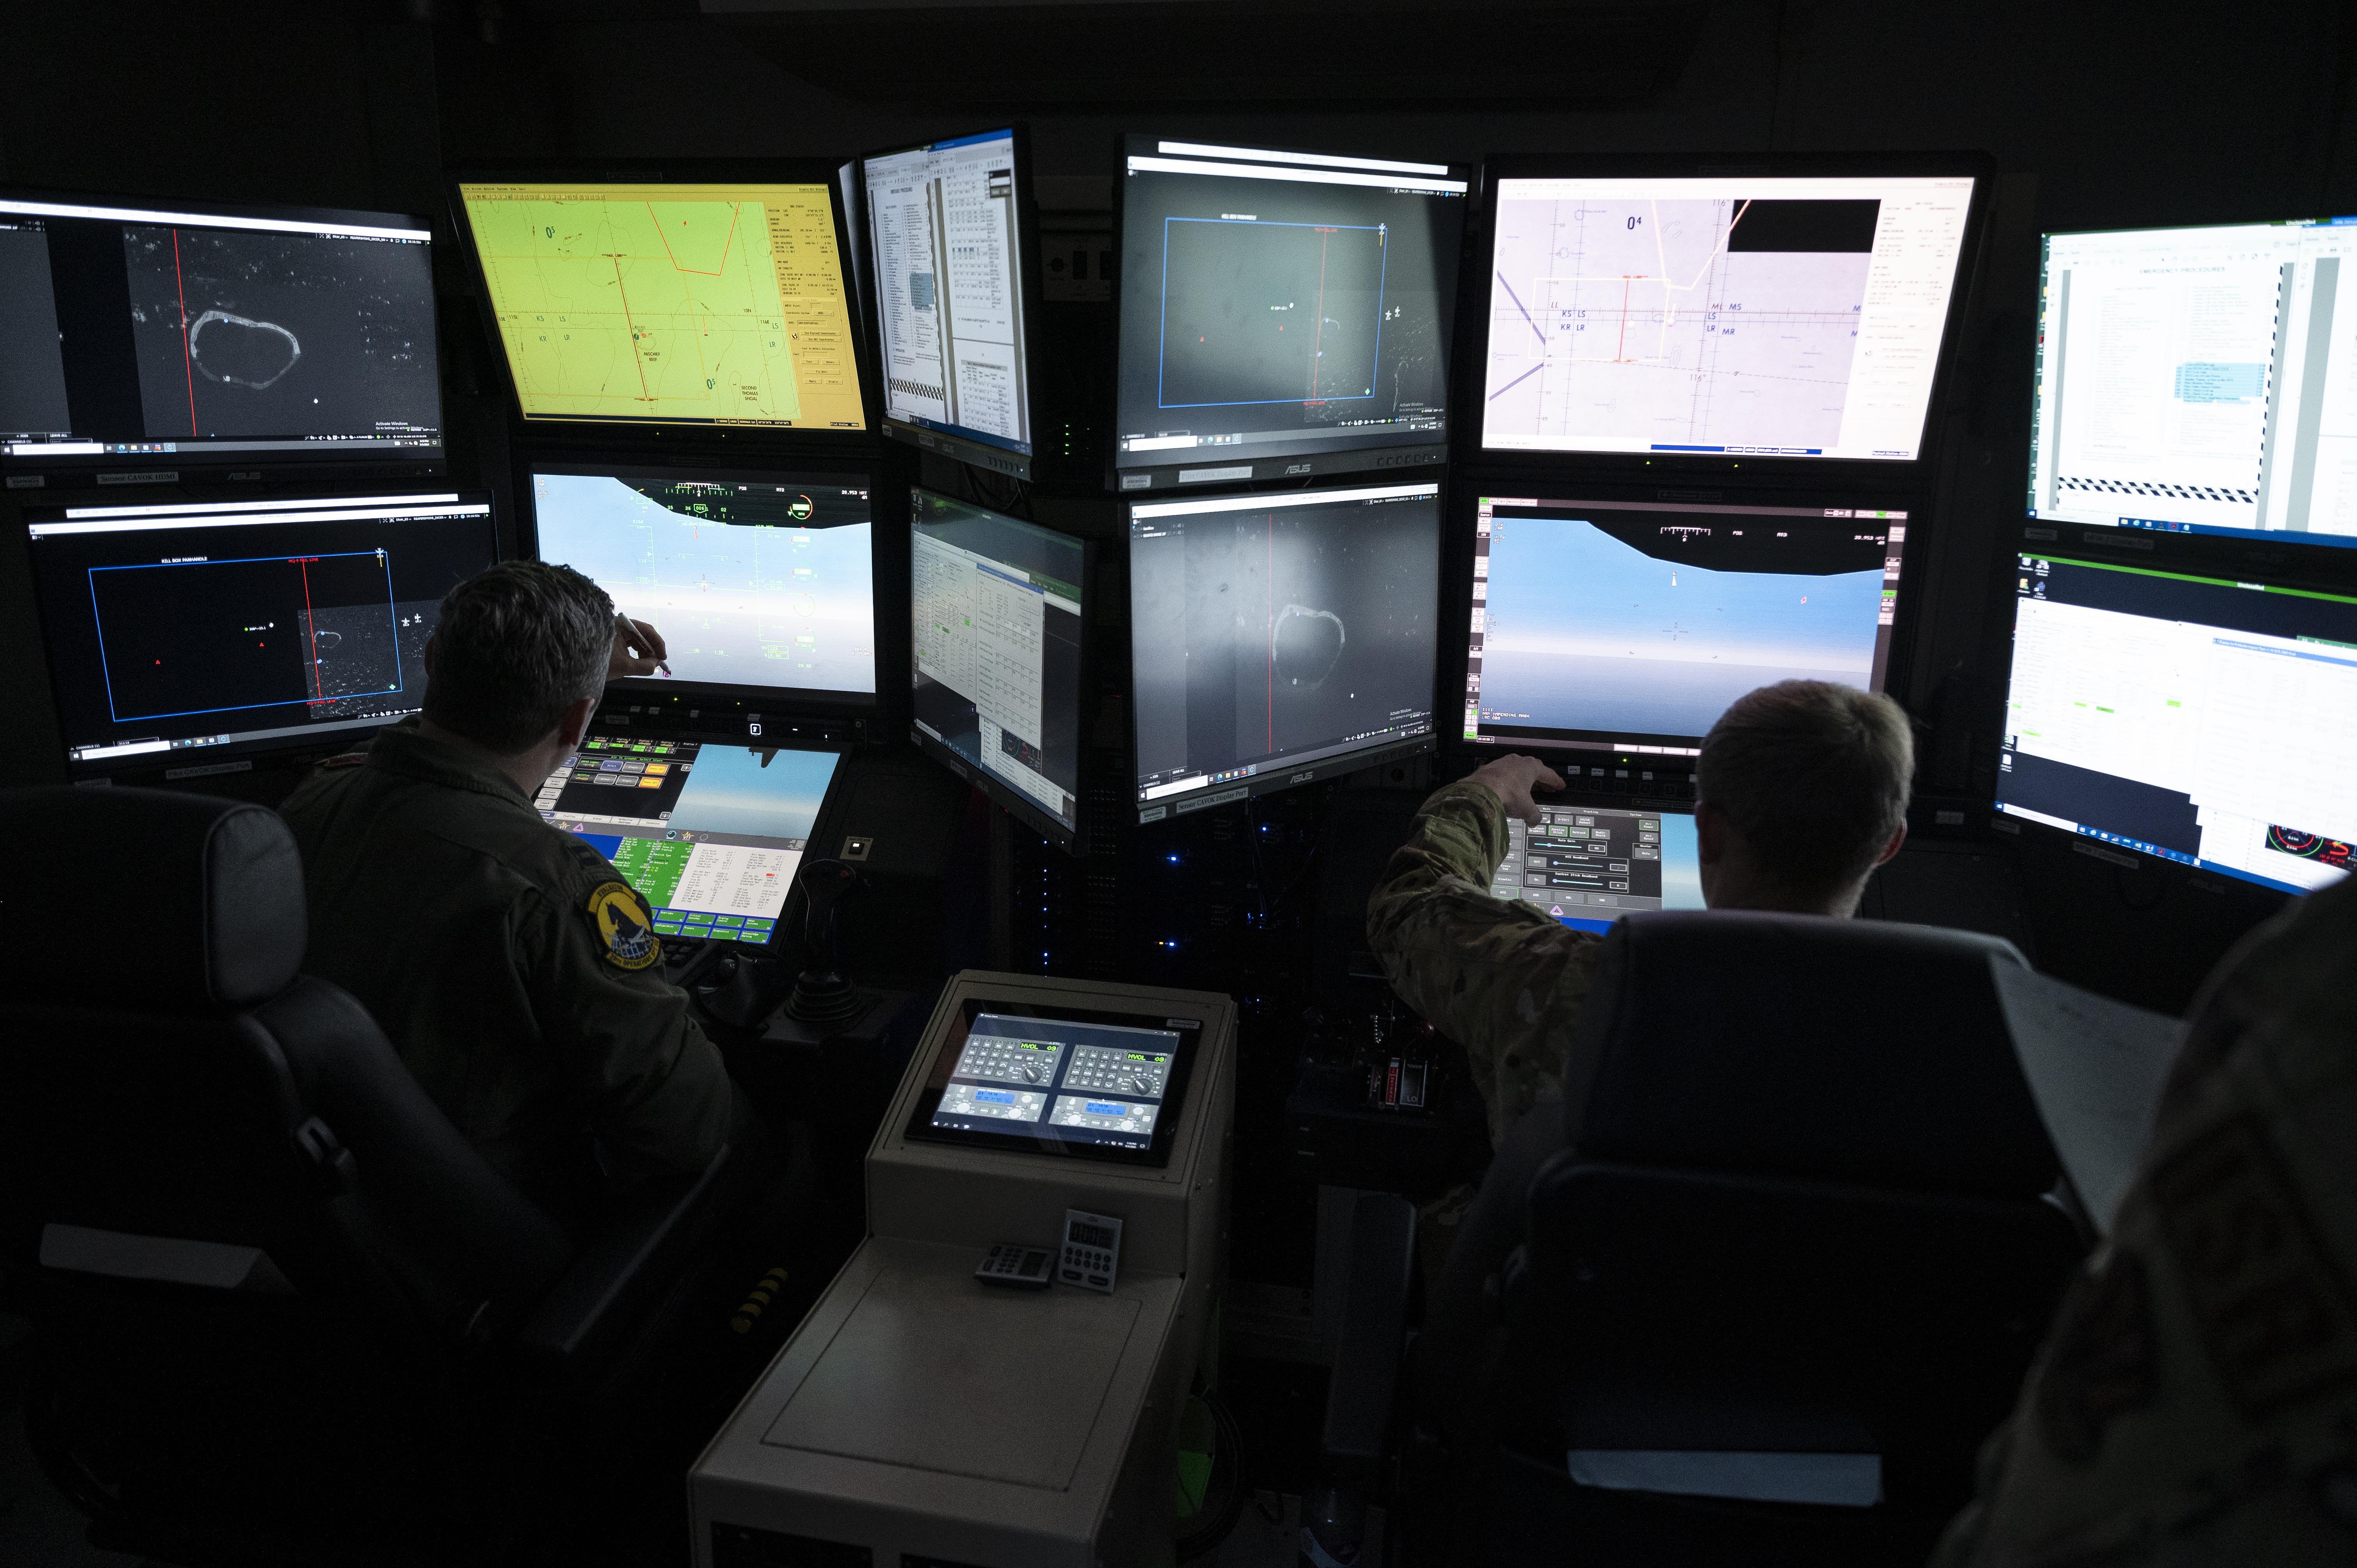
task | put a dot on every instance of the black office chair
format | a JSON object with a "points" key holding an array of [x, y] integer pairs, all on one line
{"points": [[1789, 1270], [287, 1312]]}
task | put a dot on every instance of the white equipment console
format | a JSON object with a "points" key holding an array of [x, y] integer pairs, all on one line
{"points": [[922, 1418]]}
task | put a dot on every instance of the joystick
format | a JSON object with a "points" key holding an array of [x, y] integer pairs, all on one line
{"points": [[822, 996]]}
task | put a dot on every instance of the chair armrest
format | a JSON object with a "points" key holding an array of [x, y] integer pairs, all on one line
{"points": [[1375, 1324], [635, 1258]]}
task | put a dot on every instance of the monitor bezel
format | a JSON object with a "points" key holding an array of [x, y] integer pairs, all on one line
{"points": [[1210, 797], [783, 440], [236, 756], [1416, 459], [1073, 839], [783, 701], [963, 447], [1879, 473], [206, 465], [918, 1128], [1458, 617]]}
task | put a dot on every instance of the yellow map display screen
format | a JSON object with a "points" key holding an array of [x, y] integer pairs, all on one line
{"points": [[671, 304]]}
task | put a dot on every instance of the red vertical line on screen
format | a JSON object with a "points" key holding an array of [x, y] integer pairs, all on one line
{"points": [[644, 397], [188, 352], [311, 626], [1272, 618]]}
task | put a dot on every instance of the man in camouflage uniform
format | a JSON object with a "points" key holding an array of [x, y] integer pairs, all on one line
{"points": [[1801, 792], [2196, 1402], [512, 967]]}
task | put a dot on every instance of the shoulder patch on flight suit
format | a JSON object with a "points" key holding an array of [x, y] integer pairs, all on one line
{"points": [[624, 927]]}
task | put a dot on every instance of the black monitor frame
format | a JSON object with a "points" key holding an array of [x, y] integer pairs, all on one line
{"points": [[1029, 295], [1333, 766], [184, 757], [762, 705], [1887, 475], [1073, 840], [163, 460], [757, 442], [1405, 459], [1630, 772], [1167, 1120]]}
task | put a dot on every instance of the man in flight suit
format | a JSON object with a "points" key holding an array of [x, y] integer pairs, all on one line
{"points": [[512, 967]]}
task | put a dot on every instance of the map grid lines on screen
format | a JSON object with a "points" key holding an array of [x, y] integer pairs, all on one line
{"points": [[680, 304], [1638, 319], [1785, 317]]}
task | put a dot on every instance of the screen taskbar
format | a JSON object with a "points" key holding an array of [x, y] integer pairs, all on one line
{"points": [[2175, 857]]}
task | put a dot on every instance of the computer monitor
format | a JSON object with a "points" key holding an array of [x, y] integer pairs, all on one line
{"points": [[1628, 627], [1672, 310], [164, 336], [186, 635], [1071, 1081], [2193, 717], [998, 617], [758, 581], [1588, 865], [2197, 381], [667, 299], [1282, 312], [711, 836], [953, 234], [1279, 639]]}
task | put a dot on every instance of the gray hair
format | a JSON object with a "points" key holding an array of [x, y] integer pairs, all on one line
{"points": [[514, 647], [1814, 776]]}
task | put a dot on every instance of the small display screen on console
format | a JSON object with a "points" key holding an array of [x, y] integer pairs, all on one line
{"points": [[1096, 1085]]}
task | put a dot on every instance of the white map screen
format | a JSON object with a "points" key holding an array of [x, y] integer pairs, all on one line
{"points": [[1790, 317]]}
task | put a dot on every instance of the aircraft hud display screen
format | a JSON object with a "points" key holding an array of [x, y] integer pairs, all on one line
{"points": [[669, 304], [1276, 638], [133, 332], [2198, 719], [181, 635], [1588, 865], [1084, 1084], [943, 224], [1280, 305], [997, 616], [760, 581], [1622, 625], [2199, 380], [1741, 315], [710, 835]]}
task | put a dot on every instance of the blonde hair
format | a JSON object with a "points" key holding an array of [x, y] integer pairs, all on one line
{"points": [[1814, 776]]}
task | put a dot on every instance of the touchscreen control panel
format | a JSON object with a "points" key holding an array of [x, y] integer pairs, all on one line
{"points": [[1092, 1085]]}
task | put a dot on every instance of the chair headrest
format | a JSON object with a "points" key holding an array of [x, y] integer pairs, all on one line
{"points": [[177, 903], [1799, 1045]]}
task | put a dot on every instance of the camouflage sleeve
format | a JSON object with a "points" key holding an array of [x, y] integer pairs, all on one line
{"points": [[1501, 979]]}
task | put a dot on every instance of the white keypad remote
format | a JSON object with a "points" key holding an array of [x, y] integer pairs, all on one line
{"points": [[1092, 1250]]}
